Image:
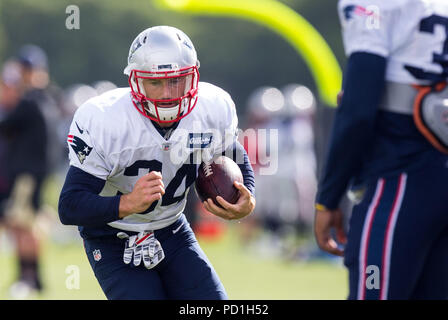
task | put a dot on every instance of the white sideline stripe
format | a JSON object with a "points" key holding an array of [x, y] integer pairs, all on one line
{"points": [[390, 235], [364, 237]]}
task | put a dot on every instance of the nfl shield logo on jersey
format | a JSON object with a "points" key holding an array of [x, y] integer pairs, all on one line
{"points": [[166, 146], [97, 255]]}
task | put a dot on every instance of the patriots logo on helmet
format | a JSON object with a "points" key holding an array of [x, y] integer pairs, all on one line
{"points": [[81, 149], [187, 45], [137, 44]]}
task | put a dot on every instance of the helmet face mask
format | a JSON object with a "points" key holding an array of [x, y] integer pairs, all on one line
{"points": [[165, 96], [163, 74]]}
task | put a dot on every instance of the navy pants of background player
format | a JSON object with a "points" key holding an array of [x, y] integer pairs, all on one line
{"points": [[400, 232], [185, 273]]}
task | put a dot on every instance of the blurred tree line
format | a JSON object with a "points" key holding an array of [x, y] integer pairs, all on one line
{"points": [[235, 54]]}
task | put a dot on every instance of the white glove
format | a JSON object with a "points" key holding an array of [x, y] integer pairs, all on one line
{"points": [[142, 245]]}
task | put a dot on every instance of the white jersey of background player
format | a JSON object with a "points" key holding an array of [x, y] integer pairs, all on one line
{"points": [[402, 31], [110, 151], [392, 46]]}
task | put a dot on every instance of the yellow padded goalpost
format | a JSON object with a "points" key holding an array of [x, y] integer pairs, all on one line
{"points": [[284, 21]]}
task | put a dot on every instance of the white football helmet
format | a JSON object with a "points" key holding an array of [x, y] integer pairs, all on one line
{"points": [[158, 53]]}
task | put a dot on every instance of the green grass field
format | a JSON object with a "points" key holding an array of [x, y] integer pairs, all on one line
{"points": [[245, 274]]}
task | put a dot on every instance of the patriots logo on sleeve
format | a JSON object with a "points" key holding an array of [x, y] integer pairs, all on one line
{"points": [[81, 149], [351, 10]]}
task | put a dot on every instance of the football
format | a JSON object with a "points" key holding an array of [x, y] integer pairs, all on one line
{"points": [[216, 179]]}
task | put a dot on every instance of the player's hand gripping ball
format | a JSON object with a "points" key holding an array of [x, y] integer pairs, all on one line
{"points": [[216, 178]]}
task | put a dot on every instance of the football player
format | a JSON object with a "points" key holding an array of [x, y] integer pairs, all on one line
{"points": [[134, 153], [389, 147], [24, 130]]}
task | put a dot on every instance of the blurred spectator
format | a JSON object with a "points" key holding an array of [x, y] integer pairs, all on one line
{"points": [[298, 119], [9, 97], [24, 130], [48, 98], [263, 108], [284, 199]]}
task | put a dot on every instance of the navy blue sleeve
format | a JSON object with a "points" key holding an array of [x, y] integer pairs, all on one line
{"points": [[353, 127], [239, 155], [80, 204]]}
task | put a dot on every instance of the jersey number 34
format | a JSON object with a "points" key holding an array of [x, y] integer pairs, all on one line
{"points": [[187, 171]]}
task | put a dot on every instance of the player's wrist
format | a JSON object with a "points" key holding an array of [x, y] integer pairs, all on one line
{"points": [[125, 207], [249, 208], [253, 203]]}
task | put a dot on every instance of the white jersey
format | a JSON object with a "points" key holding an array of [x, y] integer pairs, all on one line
{"points": [[111, 140], [402, 31]]}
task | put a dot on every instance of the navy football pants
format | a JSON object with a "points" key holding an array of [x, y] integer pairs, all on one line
{"points": [[185, 273], [398, 238]]}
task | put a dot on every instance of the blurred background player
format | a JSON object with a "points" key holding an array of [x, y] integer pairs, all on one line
{"points": [[24, 130], [394, 162], [262, 108], [49, 99], [299, 152], [280, 129], [34, 149], [10, 93]]}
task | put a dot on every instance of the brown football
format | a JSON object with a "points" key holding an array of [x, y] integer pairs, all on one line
{"points": [[216, 179]]}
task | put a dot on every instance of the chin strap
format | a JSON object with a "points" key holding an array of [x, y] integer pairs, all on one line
{"points": [[193, 92], [138, 97]]}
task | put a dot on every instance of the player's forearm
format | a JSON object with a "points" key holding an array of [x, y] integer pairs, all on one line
{"points": [[343, 161], [248, 174], [239, 155], [87, 209], [353, 127], [80, 204]]}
